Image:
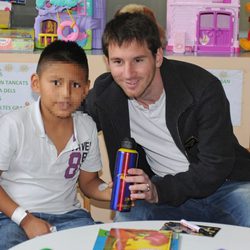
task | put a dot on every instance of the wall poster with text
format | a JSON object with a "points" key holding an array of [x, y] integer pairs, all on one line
{"points": [[15, 88], [232, 82]]}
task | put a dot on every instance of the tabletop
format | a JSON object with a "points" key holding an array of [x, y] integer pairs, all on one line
{"points": [[83, 238]]}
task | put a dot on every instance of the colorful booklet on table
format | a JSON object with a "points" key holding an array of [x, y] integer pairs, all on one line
{"points": [[101, 239], [136, 239], [167, 238], [103, 234]]}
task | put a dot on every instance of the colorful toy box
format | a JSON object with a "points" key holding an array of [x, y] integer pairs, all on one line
{"points": [[19, 40], [203, 26], [82, 21]]}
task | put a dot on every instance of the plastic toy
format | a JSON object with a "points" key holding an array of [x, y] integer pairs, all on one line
{"points": [[82, 21], [245, 42], [203, 26], [5, 15]]}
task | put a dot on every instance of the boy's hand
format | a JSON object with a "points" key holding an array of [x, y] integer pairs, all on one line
{"points": [[141, 186], [34, 226]]}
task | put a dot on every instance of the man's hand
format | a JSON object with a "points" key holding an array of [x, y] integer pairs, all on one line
{"points": [[141, 186], [34, 227]]}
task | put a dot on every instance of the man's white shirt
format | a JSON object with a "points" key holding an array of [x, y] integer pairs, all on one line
{"points": [[149, 129]]}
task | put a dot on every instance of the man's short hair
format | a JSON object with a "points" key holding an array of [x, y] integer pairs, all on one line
{"points": [[128, 27]]}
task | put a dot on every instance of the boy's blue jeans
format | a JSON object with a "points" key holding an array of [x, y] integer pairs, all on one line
{"points": [[230, 204], [12, 234]]}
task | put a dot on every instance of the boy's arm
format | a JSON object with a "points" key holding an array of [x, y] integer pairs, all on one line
{"points": [[7, 205], [31, 225], [89, 183]]}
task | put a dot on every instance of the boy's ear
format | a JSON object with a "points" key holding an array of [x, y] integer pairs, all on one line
{"points": [[106, 60], [86, 88], [35, 86]]}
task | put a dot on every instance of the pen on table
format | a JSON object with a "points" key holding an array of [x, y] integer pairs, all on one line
{"points": [[193, 227]]}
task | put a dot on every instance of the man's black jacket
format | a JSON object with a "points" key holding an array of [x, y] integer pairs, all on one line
{"points": [[198, 118]]}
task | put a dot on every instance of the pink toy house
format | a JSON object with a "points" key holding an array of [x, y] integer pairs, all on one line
{"points": [[82, 21], [203, 26]]}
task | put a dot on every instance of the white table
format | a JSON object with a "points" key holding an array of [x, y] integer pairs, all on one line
{"points": [[83, 238]]}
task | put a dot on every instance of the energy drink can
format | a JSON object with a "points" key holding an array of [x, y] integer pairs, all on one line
{"points": [[126, 158]]}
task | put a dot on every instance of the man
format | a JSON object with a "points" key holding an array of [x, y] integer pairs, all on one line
{"points": [[190, 163]]}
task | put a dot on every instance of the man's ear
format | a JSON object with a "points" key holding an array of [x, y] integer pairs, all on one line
{"points": [[35, 86], [159, 57]]}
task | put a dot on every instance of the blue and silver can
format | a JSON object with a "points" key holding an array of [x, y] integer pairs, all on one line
{"points": [[126, 158]]}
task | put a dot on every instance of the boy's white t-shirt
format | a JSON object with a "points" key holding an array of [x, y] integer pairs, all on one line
{"points": [[33, 175]]}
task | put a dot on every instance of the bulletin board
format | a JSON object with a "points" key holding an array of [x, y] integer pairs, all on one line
{"points": [[15, 89]]}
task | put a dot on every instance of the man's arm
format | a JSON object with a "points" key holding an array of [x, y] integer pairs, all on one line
{"points": [[101, 85], [212, 158]]}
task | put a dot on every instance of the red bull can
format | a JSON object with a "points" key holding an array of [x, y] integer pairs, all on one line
{"points": [[126, 158]]}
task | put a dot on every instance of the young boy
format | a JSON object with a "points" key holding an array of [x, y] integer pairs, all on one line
{"points": [[46, 148]]}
